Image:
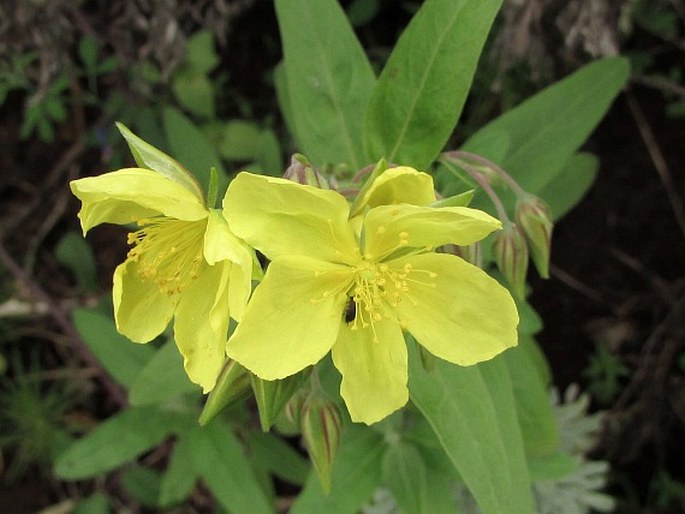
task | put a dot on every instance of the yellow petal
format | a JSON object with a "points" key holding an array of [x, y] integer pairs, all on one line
{"points": [[454, 309], [391, 227], [130, 194], [201, 325], [280, 217], [374, 382], [397, 185], [141, 312], [221, 245], [293, 317]]}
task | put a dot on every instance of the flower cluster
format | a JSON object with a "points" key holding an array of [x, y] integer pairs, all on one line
{"points": [[345, 278]]}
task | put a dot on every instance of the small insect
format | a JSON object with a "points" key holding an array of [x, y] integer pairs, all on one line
{"points": [[350, 310]]}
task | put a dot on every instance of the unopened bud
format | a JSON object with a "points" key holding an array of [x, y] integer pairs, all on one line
{"points": [[293, 409], [272, 395], [472, 253], [302, 172], [534, 217], [233, 384], [511, 255], [321, 428]]}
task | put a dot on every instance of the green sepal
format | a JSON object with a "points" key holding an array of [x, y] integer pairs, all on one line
{"points": [[272, 395], [460, 200], [149, 157], [232, 385], [321, 424], [379, 168], [213, 189]]}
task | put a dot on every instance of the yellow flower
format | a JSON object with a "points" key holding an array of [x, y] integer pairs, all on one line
{"points": [[334, 286], [184, 263]]}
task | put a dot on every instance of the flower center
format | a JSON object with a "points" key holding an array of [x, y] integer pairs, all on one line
{"points": [[377, 286], [168, 251]]}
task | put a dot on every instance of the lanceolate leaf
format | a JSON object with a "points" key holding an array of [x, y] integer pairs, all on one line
{"points": [[117, 441], [567, 188], [535, 140], [422, 89], [356, 473], [328, 78], [472, 411], [219, 459], [405, 474], [122, 359]]}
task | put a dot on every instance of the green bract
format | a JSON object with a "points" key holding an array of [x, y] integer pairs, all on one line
{"points": [[353, 286], [184, 263]]}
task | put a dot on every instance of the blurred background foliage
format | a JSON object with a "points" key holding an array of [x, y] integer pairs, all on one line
{"points": [[195, 78]]}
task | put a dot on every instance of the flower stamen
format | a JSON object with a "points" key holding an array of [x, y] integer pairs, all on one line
{"points": [[168, 252]]}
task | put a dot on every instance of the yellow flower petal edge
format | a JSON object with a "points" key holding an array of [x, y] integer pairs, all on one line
{"points": [[391, 227], [374, 383], [280, 217], [477, 317], [140, 312], [130, 194], [201, 325], [397, 185], [293, 317]]}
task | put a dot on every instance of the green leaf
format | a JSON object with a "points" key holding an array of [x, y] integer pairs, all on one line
{"points": [[88, 52], [74, 252], [201, 56], [220, 460], [567, 188], [552, 467], [472, 412], [191, 147], [534, 411], [195, 92], [178, 481], [404, 472], [120, 357], [142, 484], [236, 139], [118, 440], [423, 87], [162, 378], [149, 157], [268, 154], [356, 474], [535, 140], [329, 80], [278, 457], [96, 503]]}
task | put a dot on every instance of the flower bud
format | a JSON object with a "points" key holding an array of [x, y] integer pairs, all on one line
{"points": [[293, 409], [472, 253], [233, 384], [511, 255], [302, 172], [321, 428], [534, 217], [272, 395]]}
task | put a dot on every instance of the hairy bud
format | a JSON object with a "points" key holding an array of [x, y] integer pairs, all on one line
{"points": [[511, 255], [321, 428], [534, 217]]}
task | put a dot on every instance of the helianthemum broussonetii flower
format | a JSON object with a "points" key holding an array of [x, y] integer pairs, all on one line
{"points": [[352, 288], [185, 263]]}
